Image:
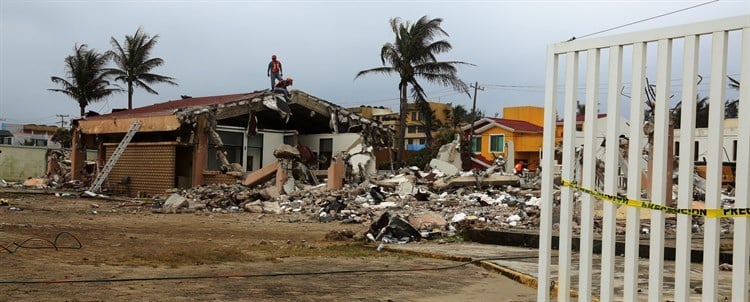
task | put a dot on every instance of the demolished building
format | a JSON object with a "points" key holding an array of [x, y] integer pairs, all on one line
{"points": [[217, 139]]}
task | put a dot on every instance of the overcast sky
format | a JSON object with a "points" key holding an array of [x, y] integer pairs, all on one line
{"points": [[223, 47]]}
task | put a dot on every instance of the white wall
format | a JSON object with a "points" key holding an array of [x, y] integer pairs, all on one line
{"points": [[601, 125], [271, 140], [341, 141], [701, 136]]}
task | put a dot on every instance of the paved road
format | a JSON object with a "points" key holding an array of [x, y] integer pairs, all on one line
{"points": [[525, 262]]}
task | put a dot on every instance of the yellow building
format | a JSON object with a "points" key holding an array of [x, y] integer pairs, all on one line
{"points": [[492, 135], [415, 137]]}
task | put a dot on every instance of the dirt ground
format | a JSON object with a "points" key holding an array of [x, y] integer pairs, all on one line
{"points": [[127, 252]]}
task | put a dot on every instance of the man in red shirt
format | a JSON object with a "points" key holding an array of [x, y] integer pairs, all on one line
{"points": [[274, 71], [282, 85]]}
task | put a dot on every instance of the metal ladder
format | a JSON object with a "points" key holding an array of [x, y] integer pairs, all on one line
{"points": [[97, 184]]}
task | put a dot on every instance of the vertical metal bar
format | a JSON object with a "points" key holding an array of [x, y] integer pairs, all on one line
{"points": [[685, 194], [633, 226], [548, 163], [741, 251], [589, 174], [714, 164], [659, 190], [611, 170], [568, 165]]}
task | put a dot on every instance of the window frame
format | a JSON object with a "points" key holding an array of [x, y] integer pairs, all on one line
{"points": [[476, 148], [502, 143]]}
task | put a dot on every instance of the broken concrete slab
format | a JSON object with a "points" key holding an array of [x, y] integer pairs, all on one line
{"points": [[289, 185], [450, 153], [262, 175], [254, 207], [195, 204], [271, 207], [463, 181], [406, 188], [174, 202], [445, 167], [286, 151], [363, 161], [427, 221], [270, 193]]}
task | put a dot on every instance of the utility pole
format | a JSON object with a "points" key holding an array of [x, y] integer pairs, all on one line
{"points": [[474, 111], [62, 119]]}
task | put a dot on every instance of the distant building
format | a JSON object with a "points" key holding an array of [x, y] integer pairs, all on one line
{"points": [[492, 136], [27, 135], [730, 151], [415, 136]]}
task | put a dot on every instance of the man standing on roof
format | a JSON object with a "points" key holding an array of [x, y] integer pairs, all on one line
{"points": [[281, 87], [274, 71]]}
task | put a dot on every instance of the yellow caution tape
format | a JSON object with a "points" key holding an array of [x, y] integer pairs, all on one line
{"points": [[710, 213]]}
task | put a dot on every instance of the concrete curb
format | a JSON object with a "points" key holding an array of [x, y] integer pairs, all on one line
{"points": [[516, 276]]}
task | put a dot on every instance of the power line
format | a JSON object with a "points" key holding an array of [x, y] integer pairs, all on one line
{"points": [[62, 119], [639, 21]]}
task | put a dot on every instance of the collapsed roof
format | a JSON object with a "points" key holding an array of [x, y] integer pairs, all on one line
{"points": [[304, 113]]}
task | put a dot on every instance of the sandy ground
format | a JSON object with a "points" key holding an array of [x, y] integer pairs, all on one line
{"points": [[129, 253]]}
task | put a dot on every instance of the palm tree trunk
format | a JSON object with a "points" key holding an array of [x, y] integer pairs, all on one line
{"points": [[130, 95], [400, 140], [83, 110]]}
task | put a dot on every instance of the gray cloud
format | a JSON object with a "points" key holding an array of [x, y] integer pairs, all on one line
{"points": [[223, 47]]}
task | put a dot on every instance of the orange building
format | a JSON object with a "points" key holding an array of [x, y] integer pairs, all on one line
{"points": [[524, 130]]}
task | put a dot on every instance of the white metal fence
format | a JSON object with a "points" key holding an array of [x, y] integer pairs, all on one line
{"points": [[621, 282]]}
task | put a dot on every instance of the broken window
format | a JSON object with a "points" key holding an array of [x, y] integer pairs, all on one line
{"points": [[233, 144], [476, 144], [325, 152], [6, 141], [254, 152], [497, 143]]}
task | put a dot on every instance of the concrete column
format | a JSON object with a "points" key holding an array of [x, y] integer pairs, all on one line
{"points": [[77, 155], [200, 151], [336, 173]]}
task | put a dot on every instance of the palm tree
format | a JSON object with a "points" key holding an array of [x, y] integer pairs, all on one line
{"points": [[412, 56], [732, 106], [86, 80], [134, 62]]}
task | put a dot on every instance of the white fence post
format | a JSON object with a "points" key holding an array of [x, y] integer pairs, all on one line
{"points": [[660, 181]]}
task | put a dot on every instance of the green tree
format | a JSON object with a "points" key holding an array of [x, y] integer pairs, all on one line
{"points": [[63, 137], [412, 55], [732, 106], [134, 63], [85, 79]]}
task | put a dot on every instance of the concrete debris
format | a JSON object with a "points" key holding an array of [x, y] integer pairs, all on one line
{"points": [[445, 167], [393, 229], [174, 202], [286, 151]]}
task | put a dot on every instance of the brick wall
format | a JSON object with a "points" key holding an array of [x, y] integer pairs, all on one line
{"points": [[215, 177], [150, 166]]}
